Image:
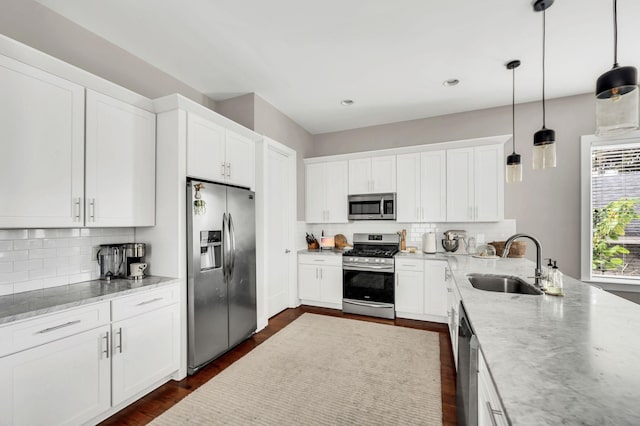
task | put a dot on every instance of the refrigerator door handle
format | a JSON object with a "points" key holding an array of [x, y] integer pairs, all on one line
{"points": [[232, 249], [225, 247]]}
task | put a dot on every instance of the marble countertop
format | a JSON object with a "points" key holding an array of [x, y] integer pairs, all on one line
{"points": [[556, 360], [32, 303]]}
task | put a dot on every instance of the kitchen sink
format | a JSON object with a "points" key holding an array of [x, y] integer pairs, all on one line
{"points": [[502, 284]]}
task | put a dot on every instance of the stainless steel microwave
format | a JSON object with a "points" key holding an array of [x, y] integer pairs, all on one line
{"points": [[372, 207]]}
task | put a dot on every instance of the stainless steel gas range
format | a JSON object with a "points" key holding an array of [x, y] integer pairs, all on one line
{"points": [[369, 275]]}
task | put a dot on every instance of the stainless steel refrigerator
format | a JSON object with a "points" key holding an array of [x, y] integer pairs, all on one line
{"points": [[221, 277]]}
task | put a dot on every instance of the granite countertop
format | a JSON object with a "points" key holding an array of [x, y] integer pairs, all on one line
{"points": [[555, 360], [32, 303]]}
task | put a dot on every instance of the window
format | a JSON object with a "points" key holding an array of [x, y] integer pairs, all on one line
{"points": [[610, 250]]}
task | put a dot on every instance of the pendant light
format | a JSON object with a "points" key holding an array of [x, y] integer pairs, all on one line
{"points": [[513, 172], [616, 93], [544, 140]]}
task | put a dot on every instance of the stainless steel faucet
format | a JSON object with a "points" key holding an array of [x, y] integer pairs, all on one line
{"points": [[507, 246]]}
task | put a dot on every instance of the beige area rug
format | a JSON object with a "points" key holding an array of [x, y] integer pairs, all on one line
{"points": [[322, 370]]}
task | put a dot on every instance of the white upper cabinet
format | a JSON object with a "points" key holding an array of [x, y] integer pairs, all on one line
{"points": [[205, 149], [433, 191], [489, 183], [218, 154], [41, 148], [372, 175], [120, 163], [240, 153], [421, 181], [326, 192], [475, 184]]}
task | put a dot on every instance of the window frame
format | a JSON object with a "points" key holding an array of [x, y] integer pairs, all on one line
{"points": [[586, 221]]}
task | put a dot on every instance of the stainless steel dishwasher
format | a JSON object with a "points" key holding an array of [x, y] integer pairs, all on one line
{"points": [[467, 377]]}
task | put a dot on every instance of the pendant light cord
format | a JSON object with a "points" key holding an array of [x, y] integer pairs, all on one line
{"points": [[544, 32], [615, 33], [513, 108]]}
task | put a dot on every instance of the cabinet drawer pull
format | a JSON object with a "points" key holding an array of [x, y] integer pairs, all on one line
{"points": [[67, 324], [106, 346], [146, 302], [119, 345], [92, 210], [76, 209]]}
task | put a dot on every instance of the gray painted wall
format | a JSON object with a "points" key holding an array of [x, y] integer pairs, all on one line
{"points": [[546, 204], [240, 109], [255, 113], [34, 25]]}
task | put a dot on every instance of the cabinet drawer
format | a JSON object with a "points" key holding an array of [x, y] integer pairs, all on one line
{"points": [[409, 264], [142, 302], [329, 260], [47, 328]]}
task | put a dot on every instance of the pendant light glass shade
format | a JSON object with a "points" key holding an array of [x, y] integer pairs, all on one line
{"points": [[544, 140], [513, 171], [617, 94]]}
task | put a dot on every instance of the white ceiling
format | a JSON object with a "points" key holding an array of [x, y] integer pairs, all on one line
{"points": [[390, 57]]}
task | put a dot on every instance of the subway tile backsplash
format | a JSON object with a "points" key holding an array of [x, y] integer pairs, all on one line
{"points": [[491, 231], [32, 259]]}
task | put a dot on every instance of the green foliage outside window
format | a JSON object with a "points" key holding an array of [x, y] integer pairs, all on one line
{"points": [[609, 224]]}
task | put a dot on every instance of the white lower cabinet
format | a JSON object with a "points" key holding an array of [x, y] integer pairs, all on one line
{"points": [[145, 349], [320, 280], [409, 292], [490, 410], [421, 289], [73, 366], [64, 382], [453, 314]]}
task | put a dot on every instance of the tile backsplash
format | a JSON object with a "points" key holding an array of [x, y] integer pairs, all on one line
{"points": [[32, 259], [491, 231]]}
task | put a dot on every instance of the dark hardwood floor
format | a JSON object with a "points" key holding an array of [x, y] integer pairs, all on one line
{"points": [[152, 405]]}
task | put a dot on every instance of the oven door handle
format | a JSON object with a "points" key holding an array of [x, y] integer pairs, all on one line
{"points": [[368, 305], [368, 268]]}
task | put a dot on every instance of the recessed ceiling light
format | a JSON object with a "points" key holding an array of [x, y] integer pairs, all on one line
{"points": [[347, 102], [450, 82]]}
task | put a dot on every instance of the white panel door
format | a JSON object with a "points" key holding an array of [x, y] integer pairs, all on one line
{"points": [[120, 163], [408, 193], [409, 292], [240, 160], [146, 348], [433, 186], [278, 231], [336, 197], [205, 149], [41, 148], [315, 210], [489, 183], [308, 282], [435, 288], [331, 284], [383, 173], [360, 176], [66, 382], [460, 189]]}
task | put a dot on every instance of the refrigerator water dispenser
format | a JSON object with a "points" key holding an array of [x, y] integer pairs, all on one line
{"points": [[210, 250]]}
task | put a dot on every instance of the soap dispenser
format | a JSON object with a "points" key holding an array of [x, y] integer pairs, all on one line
{"points": [[556, 285]]}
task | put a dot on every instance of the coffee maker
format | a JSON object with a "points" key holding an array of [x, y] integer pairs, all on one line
{"points": [[134, 255], [110, 258]]}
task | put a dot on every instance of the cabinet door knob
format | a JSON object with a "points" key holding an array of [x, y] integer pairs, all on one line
{"points": [[287, 251]]}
